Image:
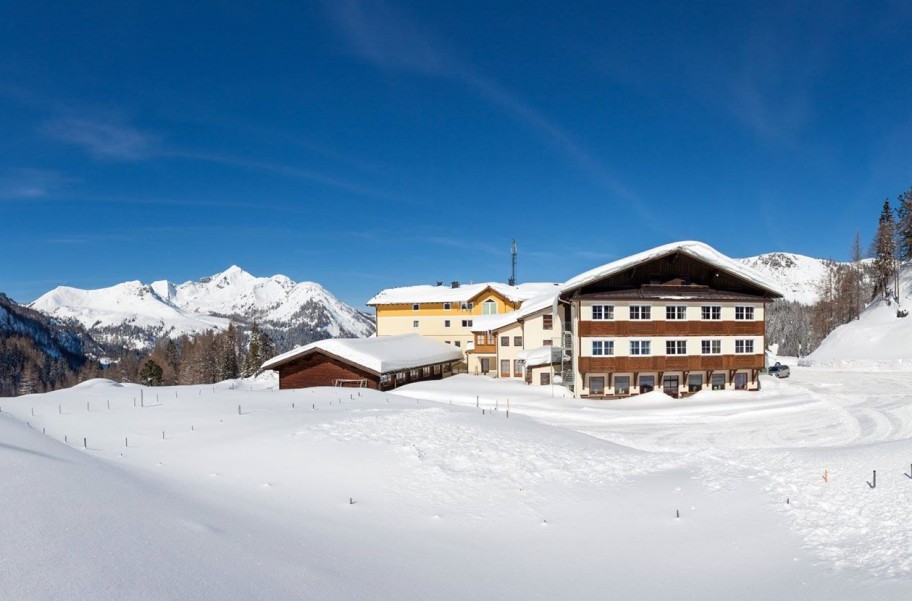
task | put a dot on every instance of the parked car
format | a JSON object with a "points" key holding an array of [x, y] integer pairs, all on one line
{"points": [[779, 370]]}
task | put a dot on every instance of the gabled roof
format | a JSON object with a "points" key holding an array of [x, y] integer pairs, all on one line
{"points": [[697, 250], [489, 323], [381, 354], [407, 295]]}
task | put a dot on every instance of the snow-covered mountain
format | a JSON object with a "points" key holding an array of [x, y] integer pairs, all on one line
{"points": [[135, 315], [798, 277], [880, 339]]}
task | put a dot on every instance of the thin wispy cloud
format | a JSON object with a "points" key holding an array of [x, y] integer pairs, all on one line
{"points": [[379, 33], [111, 140], [31, 184]]}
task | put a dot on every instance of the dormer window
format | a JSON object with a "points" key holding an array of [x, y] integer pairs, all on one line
{"points": [[416, 307], [489, 307]]}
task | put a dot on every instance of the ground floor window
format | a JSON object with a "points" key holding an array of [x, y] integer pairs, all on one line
{"points": [[518, 366], [647, 383], [544, 379], [505, 367], [596, 385], [694, 382], [621, 384], [718, 381], [670, 385], [740, 381]]}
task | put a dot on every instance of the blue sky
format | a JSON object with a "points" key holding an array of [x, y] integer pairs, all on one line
{"points": [[364, 145]]}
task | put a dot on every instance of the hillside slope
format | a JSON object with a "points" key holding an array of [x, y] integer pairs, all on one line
{"points": [[877, 340]]}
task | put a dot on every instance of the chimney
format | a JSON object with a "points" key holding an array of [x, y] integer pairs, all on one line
{"points": [[454, 284]]}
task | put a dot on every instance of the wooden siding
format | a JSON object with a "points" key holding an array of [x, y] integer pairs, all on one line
{"points": [[670, 363], [671, 328], [484, 349], [318, 369]]}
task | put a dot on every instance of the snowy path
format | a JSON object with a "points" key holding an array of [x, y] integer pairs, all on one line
{"points": [[784, 437]]}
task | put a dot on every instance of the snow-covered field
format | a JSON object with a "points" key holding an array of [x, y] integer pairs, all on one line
{"points": [[434, 493]]}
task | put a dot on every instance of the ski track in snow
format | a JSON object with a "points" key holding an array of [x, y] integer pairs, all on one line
{"points": [[784, 436]]}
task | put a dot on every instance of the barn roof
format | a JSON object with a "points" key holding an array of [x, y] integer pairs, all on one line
{"points": [[381, 354]]}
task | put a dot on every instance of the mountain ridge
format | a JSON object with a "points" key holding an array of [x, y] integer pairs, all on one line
{"points": [[136, 314]]}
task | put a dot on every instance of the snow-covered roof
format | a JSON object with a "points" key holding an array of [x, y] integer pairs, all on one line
{"points": [[381, 354], [543, 355], [489, 323], [463, 293], [697, 250]]}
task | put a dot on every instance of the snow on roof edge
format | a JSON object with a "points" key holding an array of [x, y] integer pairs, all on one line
{"points": [[696, 249], [380, 354]]}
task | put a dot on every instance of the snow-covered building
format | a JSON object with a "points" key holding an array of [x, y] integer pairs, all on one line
{"points": [[501, 342], [380, 363], [682, 317], [448, 313]]}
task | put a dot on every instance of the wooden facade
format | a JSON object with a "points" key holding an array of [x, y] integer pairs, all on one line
{"points": [[678, 279], [321, 368]]}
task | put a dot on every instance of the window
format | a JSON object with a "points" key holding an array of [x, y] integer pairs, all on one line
{"points": [[413, 374], [711, 347], [740, 381], [504, 341], [694, 382], [718, 381], [596, 385], [448, 342], [437, 369], [467, 306], [547, 322], [675, 347], [544, 379], [647, 383], [426, 371], [621, 384], [602, 312], [458, 343], [639, 347], [505, 367], [467, 323], [400, 377], [489, 308], [640, 312], [547, 342], [415, 307], [479, 339], [602, 347], [518, 366], [446, 323], [744, 347], [711, 312], [744, 313], [675, 312], [517, 341], [415, 324], [447, 306]]}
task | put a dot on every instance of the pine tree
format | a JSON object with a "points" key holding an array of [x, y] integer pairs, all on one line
{"points": [[150, 374], [885, 249], [904, 224]]}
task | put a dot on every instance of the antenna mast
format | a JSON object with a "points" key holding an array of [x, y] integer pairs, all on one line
{"points": [[513, 264]]}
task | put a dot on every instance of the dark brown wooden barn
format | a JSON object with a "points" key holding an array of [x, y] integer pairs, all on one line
{"points": [[380, 363]]}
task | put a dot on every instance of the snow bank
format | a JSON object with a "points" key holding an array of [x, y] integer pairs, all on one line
{"points": [[878, 340]]}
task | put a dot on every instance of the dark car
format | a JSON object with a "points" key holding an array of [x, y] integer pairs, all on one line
{"points": [[779, 370]]}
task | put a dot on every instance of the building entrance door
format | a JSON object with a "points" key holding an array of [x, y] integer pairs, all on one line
{"points": [[670, 386]]}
